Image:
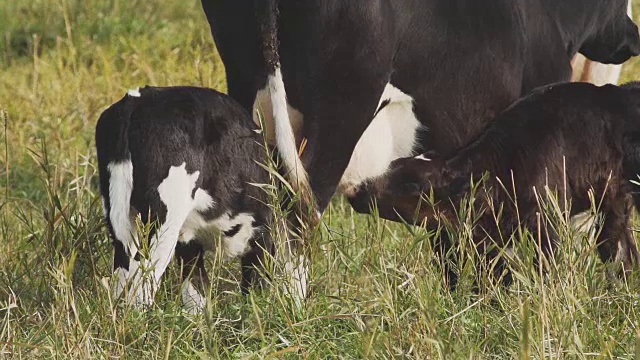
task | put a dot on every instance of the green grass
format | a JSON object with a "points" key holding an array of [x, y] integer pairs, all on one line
{"points": [[376, 292]]}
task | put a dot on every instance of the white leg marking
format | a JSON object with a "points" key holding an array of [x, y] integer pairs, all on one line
{"points": [[120, 281], [297, 272], [192, 301], [175, 192], [391, 135], [584, 222]]}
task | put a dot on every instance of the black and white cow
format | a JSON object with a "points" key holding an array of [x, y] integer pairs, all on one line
{"points": [[186, 159], [415, 74]]}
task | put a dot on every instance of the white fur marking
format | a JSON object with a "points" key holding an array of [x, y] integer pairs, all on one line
{"points": [[121, 276], [584, 222], [298, 273], [202, 201], [422, 157], [192, 301], [134, 92], [620, 253], [238, 244], [391, 135], [175, 192]]}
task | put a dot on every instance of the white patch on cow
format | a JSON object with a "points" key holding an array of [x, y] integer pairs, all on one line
{"points": [[202, 201], [297, 272], [134, 92], [422, 157], [192, 301], [391, 135], [175, 192], [371, 156], [120, 188], [238, 243]]}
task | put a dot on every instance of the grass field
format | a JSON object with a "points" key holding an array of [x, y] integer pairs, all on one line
{"points": [[376, 291]]}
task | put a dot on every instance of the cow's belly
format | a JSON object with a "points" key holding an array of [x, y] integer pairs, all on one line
{"points": [[391, 135]]}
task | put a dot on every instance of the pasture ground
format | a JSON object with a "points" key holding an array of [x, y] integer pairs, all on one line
{"points": [[376, 291]]}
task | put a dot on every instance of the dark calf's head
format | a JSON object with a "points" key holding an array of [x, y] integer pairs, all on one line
{"points": [[614, 37], [403, 192]]}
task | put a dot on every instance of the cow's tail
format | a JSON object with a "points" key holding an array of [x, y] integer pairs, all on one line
{"points": [[285, 138], [116, 169]]}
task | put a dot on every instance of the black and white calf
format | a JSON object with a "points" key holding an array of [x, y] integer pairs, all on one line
{"points": [[182, 158]]}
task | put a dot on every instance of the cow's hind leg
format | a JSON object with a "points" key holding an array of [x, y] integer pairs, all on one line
{"points": [[346, 80]]}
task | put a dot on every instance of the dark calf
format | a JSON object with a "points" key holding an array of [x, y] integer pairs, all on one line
{"points": [[573, 138], [184, 158]]}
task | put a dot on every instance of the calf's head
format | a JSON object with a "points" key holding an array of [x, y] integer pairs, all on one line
{"points": [[612, 37], [413, 190]]}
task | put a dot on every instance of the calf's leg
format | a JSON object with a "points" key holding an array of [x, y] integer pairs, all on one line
{"points": [[615, 241], [175, 193], [195, 280], [254, 261]]}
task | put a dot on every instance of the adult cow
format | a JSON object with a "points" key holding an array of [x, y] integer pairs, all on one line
{"points": [[585, 70], [448, 65], [431, 74]]}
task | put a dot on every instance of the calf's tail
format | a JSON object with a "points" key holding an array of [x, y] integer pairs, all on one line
{"points": [[116, 169], [285, 138]]}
